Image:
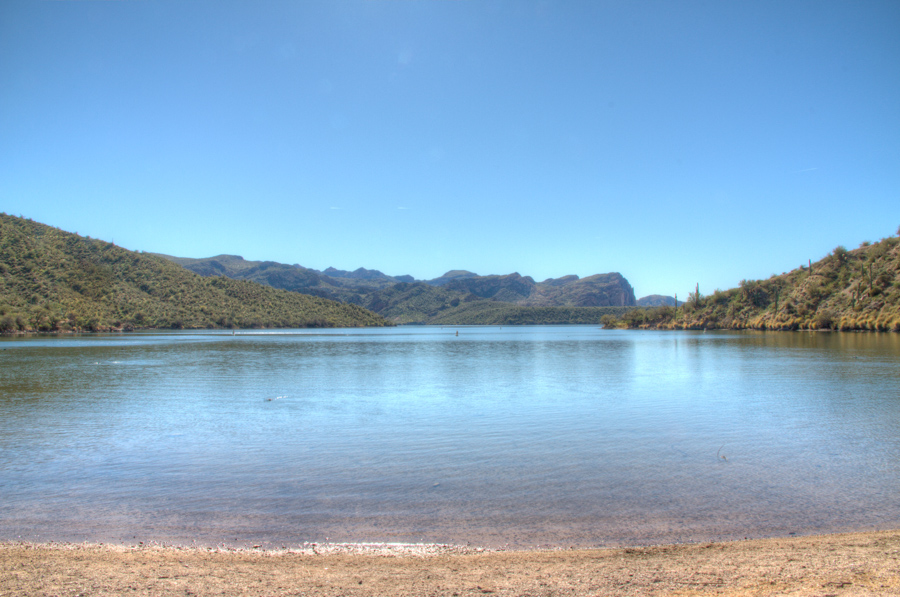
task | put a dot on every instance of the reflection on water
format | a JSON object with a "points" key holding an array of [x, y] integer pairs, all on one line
{"points": [[527, 436]]}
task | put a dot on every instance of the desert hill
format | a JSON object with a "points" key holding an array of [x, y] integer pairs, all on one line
{"points": [[52, 280], [855, 289]]}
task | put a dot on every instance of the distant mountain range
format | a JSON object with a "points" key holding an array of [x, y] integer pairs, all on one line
{"points": [[454, 298]]}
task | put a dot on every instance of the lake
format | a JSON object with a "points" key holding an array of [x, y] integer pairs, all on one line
{"points": [[520, 436]]}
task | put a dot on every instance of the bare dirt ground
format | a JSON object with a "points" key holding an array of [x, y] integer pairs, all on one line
{"points": [[828, 565]]}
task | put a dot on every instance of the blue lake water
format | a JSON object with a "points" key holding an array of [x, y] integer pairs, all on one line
{"points": [[527, 436]]}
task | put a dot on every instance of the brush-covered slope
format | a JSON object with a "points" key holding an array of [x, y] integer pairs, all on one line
{"points": [[270, 273], [422, 303], [51, 280], [599, 290], [657, 300], [499, 313], [331, 283], [368, 276], [412, 303], [847, 290]]}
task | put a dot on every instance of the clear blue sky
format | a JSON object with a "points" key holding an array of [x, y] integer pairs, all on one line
{"points": [[674, 142]]}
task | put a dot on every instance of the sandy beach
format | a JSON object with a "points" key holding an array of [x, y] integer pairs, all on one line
{"points": [[843, 564]]}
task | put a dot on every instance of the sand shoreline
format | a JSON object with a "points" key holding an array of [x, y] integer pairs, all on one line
{"points": [[842, 564]]}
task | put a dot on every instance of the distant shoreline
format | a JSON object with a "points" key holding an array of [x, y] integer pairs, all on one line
{"points": [[139, 330], [225, 331], [850, 563]]}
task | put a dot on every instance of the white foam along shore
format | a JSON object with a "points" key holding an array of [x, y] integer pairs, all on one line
{"points": [[306, 548]]}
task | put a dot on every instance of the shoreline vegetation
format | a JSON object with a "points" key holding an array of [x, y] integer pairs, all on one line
{"points": [[848, 290], [54, 281], [865, 563], [57, 282]]}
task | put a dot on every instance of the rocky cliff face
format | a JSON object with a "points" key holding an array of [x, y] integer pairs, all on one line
{"points": [[511, 288], [599, 290]]}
